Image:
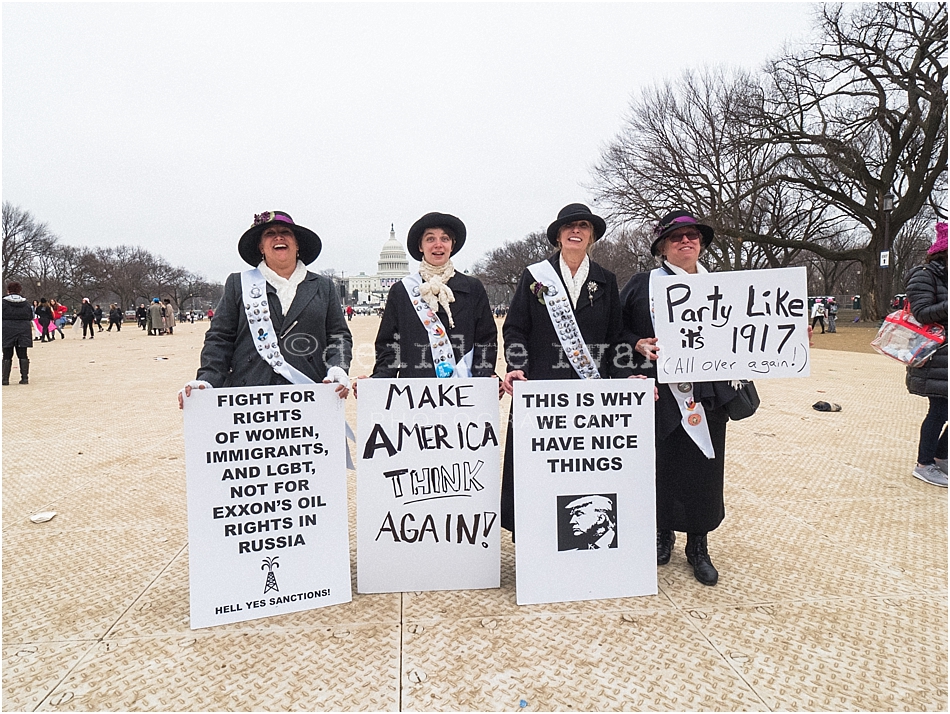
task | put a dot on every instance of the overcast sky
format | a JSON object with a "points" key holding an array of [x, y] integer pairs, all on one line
{"points": [[169, 125]]}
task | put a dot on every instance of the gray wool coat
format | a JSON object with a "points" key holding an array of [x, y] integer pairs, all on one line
{"points": [[313, 336]]}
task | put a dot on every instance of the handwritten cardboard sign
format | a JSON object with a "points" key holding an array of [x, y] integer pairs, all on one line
{"points": [[427, 485], [585, 503], [267, 510], [748, 324]]}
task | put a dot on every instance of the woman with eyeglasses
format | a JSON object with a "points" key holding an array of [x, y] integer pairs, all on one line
{"points": [[689, 474], [277, 323]]}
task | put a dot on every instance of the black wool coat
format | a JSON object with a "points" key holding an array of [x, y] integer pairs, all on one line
{"points": [[927, 291], [44, 313], [689, 487], [86, 313], [402, 343], [313, 336], [532, 344], [17, 316]]}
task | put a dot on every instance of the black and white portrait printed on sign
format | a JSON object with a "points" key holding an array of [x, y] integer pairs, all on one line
{"points": [[587, 522]]}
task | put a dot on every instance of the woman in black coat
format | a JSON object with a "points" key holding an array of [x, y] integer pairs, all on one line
{"points": [[115, 318], [927, 291], [86, 316], [44, 315], [689, 484], [533, 349], [465, 331], [17, 332]]}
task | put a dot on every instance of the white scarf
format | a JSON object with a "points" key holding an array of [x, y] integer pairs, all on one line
{"points": [[679, 271], [286, 287], [434, 289], [574, 282]]}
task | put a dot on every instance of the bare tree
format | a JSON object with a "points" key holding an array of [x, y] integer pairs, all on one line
{"points": [[784, 163], [689, 144], [862, 113], [25, 242], [501, 268]]}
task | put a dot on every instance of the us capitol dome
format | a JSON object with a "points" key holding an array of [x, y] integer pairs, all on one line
{"points": [[393, 266]]}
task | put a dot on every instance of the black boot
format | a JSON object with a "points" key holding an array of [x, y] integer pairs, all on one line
{"points": [[7, 366], [664, 546], [697, 554], [24, 371]]}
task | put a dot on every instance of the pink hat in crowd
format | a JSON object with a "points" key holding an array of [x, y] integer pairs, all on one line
{"points": [[940, 245]]}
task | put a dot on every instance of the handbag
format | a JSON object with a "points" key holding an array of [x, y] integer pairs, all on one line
{"points": [[745, 403], [902, 338]]}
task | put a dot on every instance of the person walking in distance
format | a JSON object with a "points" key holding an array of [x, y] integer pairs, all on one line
{"points": [[818, 315], [115, 318], [59, 318], [86, 316], [44, 315]]}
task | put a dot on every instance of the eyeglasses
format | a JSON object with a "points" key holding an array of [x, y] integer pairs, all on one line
{"points": [[691, 235]]}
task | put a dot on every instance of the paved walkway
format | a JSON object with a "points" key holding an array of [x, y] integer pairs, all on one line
{"points": [[832, 595]]}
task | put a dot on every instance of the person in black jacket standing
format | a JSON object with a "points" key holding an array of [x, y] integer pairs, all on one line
{"points": [[927, 291], [437, 322], [115, 318], [86, 316], [689, 464], [44, 315], [17, 332], [585, 339]]}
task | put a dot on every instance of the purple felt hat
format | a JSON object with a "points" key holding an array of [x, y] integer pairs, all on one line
{"points": [[308, 242], [679, 219]]}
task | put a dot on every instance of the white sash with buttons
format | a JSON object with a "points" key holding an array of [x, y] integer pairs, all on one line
{"points": [[564, 321], [692, 412], [254, 290], [443, 356]]}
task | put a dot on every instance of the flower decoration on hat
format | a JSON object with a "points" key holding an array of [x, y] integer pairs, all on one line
{"points": [[264, 217]]}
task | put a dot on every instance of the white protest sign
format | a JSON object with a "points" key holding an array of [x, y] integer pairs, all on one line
{"points": [[267, 511], [745, 324], [427, 487], [585, 501]]}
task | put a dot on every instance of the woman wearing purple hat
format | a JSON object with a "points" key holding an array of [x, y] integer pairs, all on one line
{"points": [[927, 292], [277, 323], [689, 464], [564, 322]]}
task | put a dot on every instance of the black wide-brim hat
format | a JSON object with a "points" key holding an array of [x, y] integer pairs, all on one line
{"points": [[679, 219], [576, 212], [308, 242], [435, 220]]}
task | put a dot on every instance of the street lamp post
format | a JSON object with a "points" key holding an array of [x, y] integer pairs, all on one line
{"points": [[887, 204]]}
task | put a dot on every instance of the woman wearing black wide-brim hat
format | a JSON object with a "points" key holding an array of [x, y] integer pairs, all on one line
{"points": [[437, 322], [277, 323], [689, 466], [564, 321]]}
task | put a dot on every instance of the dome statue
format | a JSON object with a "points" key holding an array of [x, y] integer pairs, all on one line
{"points": [[393, 264]]}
